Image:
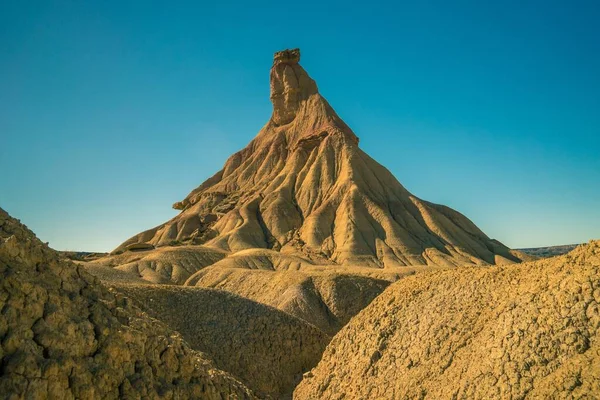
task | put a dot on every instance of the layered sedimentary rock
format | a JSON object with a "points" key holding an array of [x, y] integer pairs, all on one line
{"points": [[65, 336], [303, 186], [530, 330]]}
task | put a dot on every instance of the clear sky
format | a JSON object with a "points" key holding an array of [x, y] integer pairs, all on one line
{"points": [[110, 111]]}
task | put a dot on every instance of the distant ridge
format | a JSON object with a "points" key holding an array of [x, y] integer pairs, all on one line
{"points": [[548, 251]]}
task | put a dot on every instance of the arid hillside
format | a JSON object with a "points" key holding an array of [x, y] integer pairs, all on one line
{"points": [[266, 349], [324, 296], [326, 299], [520, 331], [65, 336]]}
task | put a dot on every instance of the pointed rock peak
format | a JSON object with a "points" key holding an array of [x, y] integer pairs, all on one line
{"points": [[288, 56], [302, 186], [290, 86]]}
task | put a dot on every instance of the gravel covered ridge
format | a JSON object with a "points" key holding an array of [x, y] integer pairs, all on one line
{"points": [[518, 331], [65, 336]]}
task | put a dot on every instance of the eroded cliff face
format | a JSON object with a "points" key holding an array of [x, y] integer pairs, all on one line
{"points": [[290, 86], [302, 186], [530, 330], [64, 336]]}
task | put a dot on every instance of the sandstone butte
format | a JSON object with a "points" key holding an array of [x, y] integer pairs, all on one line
{"points": [[304, 189]]}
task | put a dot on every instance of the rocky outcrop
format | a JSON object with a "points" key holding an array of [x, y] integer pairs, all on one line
{"points": [[64, 336], [520, 331], [290, 85], [267, 349], [302, 186]]}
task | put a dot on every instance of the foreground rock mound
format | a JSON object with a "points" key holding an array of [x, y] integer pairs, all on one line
{"points": [[519, 331], [304, 187], [268, 350], [64, 336]]}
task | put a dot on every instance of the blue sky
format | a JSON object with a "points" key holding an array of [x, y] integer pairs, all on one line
{"points": [[111, 111]]}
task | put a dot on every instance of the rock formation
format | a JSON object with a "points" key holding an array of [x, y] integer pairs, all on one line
{"points": [[521, 331], [64, 336], [304, 187]]}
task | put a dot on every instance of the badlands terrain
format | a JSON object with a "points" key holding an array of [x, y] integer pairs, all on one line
{"points": [[549, 251], [302, 269]]}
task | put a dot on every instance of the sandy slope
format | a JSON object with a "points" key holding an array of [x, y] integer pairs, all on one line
{"points": [[520, 331], [325, 299], [268, 350], [326, 296], [168, 265]]}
